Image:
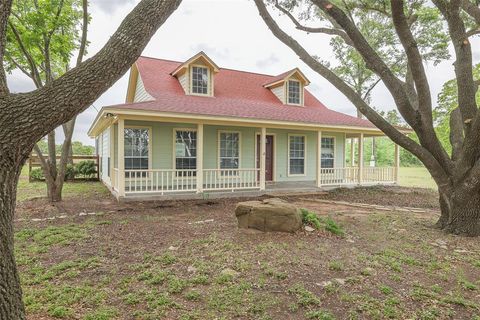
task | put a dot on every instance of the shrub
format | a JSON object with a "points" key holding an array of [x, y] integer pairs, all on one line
{"points": [[333, 227], [70, 172], [37, 174], [310, 218], [86, 168]]}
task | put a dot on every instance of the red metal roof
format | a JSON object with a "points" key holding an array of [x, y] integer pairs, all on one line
{"points": [[237, 94]]}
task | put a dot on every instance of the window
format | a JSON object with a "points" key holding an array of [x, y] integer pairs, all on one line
{"points": [[137, 142], [297, 155], [293, 92], [185, 149], [200, 80], [328, 152], [229, 150]]}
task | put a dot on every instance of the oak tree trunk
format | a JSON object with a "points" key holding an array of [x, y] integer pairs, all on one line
{"points": [[11, 305], [27, 117], [460, 212]]}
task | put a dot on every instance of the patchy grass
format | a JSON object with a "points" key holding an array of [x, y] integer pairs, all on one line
{"points": [[417, 177], [29, 190], [144, 261]]}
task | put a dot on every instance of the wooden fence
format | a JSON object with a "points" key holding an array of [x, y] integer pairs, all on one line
{"points": [[34, 162]]}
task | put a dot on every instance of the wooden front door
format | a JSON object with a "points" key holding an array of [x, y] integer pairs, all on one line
{"points": [[269, 154]]}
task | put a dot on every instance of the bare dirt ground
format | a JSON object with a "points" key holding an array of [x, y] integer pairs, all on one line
{"points": [[188, 260]]}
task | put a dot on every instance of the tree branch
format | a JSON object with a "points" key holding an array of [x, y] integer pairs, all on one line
{"points": [[415, 61], [423, 127], [373, 62], [83, 41], [465, 82], [299, 26], [367, 93], [56, 103], [35, 75], [5, 8], [360, 104], [471, 9]]}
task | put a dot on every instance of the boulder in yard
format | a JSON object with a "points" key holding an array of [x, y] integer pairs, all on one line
{"points": [[269, 215]]}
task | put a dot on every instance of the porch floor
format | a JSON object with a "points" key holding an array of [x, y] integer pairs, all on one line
{"points": [[272, 188]]}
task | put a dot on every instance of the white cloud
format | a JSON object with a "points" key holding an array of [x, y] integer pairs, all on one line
{"points": [[232, 33]]}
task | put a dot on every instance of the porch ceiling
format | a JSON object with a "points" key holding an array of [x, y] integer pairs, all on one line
{"points": [[107, 116]]}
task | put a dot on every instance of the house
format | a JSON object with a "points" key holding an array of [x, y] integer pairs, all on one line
{"points": [[193, 129]]}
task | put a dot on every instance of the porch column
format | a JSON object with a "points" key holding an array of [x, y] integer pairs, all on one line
{"points": [[360, 159], [397, 163], [263, 142], [200, 158], [319, 158], [112, 155], [121, 161], [352, 152]]}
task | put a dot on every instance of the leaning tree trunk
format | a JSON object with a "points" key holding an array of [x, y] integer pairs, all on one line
{"points": [[27, 117], [460, 211], [11, 305]]}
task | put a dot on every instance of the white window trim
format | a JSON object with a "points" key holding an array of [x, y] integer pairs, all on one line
{"points": [[287, 92], [209, 85], [174, 151], [150, 139], [274, 169], [304, 174], [334, 151], [239, 149]]}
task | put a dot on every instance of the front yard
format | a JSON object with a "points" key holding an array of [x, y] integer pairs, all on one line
{"points": [[92, 258]]}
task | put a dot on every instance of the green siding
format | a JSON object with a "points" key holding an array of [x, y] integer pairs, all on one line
{"points": [[247, 145], [161, 140], [162, 147]]}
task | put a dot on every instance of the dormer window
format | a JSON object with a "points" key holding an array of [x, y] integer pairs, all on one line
{"points": [[197, 75], [294, 96], [288, 87], [199, 80]]}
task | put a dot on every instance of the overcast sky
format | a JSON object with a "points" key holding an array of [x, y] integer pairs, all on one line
{"points": [[231, 33]]}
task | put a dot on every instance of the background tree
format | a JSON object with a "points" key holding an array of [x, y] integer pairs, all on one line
{"points": [[27, 117], [457, 175], [41, 38], [78, 148], [447, 102]]}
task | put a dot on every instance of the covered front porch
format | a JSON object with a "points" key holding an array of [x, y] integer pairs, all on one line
{"points": [[262, 159]]}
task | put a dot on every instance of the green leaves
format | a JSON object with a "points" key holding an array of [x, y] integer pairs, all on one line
{"points": [[42, 36], [373, 19]]}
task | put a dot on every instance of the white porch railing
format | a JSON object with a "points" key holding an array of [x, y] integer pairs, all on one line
{"points": [[230, 179], [350, 175], [161, 181], [378, 174], [170, 180], [339, 176]]}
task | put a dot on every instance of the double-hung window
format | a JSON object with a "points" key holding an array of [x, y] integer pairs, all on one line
{"points": [[137, 141], [185, 150], [296, 154], [328, 152], [199, 80], [229, 151], [294, 96]]}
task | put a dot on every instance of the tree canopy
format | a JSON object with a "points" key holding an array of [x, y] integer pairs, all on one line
{"points": [[415, 32], [42, 36]]}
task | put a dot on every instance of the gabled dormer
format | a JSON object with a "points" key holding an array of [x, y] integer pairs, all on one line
{"points": [[289, 87], [196, 75]]}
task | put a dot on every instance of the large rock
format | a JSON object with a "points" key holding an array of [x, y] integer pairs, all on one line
{"points": [[269, 215]]}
